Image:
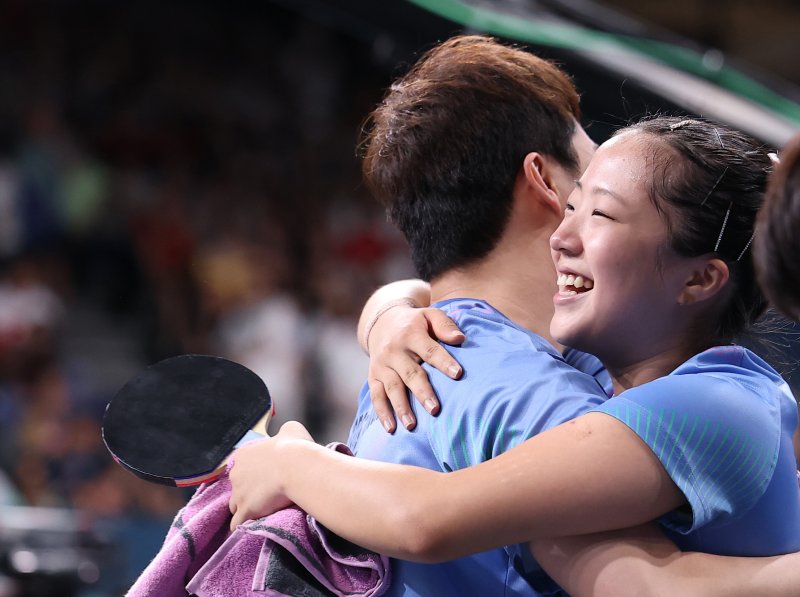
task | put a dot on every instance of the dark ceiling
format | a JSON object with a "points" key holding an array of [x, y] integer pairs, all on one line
{"points": [[398, 30], [764, 34]]}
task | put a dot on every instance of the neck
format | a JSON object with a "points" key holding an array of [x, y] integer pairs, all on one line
{"points": [[519, 281], [647, 365]]}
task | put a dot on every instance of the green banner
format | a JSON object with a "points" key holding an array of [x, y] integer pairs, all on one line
{"points": [[572, 37]]}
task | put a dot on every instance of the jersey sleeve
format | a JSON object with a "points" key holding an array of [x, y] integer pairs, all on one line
{"points": [[519, 395], [718, 440]]}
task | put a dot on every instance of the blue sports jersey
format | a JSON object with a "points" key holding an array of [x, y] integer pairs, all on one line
{"points": [[515, 385], [721, 424]]}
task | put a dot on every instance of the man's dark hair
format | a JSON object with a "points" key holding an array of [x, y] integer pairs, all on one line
{"points": [[443, 148]]}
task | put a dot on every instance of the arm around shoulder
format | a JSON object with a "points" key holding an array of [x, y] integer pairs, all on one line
{"points": [[414, 293]]}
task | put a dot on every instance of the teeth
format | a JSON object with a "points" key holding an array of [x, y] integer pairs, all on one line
{"points": [[574, 281], [567, 292]]}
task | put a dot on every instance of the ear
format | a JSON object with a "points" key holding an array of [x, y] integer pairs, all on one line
{"points": [[707, 279], [539, 178]]}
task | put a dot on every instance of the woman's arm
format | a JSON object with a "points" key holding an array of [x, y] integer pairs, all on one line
{"points": [[409, 293], [397, 335], [591, 474], [642, 561]]}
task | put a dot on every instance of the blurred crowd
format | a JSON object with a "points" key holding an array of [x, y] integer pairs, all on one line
{"points": [[174, 178]]}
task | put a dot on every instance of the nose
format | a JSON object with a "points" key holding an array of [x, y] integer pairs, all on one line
{"points": [[565, 239]]}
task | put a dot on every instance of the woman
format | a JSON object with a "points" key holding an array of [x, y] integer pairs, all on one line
{"points": [[698, 432]]}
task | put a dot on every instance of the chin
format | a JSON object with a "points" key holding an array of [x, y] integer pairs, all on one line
{"points": [[565, 338], [570, 336]]}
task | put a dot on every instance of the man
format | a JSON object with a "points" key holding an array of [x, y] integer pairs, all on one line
{"points": [[474, 152]]}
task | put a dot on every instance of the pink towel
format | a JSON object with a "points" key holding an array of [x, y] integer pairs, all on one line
{"points": [[198, 530], [285, 554], [289, 554]]}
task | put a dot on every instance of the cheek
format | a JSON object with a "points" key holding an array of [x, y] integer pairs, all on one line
{"points": [[627, 280]]}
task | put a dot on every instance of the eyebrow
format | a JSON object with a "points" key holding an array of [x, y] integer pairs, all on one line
{"points": [[602, 191]]}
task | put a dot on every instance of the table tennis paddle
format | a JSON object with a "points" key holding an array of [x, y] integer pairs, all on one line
{"points": [[177, 422]]}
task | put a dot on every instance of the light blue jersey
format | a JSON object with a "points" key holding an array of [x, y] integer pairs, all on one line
{"points": [[515, 385], [721, 424]]}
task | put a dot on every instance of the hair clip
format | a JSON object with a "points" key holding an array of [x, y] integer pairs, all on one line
{"points": [[675, 126], [747, 246], [724, 223], [713, 188], [719, 138]]}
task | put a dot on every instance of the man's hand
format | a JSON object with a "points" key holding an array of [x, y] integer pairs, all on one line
{"points": [[255, 475]]}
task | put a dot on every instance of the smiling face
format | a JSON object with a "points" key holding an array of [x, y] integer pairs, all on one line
{"points": [[618, 280]]}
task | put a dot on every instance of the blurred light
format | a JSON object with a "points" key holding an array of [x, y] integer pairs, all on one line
{"points": [[88, 572], [24, 561], [714, 60]]}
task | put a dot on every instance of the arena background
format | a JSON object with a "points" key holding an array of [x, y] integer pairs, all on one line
{"points": [[182, 177]]}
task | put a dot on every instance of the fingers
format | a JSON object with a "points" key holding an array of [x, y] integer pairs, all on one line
{"points": [[398, 396], [390, 398], [401, 339], [443, 328], [381, 404], [435, 355], [238, 517], [415, 378]]}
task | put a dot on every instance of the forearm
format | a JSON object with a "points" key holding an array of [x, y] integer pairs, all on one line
{"points": [[401, 511], [367, 502], [416, 290], [553, 485], [642, 561]]}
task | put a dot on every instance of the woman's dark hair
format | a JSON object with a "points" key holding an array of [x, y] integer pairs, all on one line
{"points": [[777, 242], [444, 147], [709, 184]]}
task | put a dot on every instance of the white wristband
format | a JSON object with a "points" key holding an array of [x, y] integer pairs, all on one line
{"points": [[405, 301]]}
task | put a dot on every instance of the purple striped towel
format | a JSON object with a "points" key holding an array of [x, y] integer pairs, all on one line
{"points": [[285, 554]]}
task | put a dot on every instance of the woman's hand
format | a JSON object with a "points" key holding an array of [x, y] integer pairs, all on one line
{"points": [[399, 340], [255, 477]]}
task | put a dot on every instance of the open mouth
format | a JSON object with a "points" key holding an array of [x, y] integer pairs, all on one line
{"points": [[570, 284]]}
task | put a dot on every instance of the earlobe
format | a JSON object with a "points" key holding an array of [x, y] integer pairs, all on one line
{"points": [[537, 176], [704, 282]]}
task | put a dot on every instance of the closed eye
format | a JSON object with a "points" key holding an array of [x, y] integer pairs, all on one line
{"points": [[602, 214]]}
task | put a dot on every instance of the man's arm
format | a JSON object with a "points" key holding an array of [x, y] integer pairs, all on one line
{"points": [[642, 561]]}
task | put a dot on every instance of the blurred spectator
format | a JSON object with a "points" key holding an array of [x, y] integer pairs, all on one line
{"points": [[174, 177], [186, 183]]}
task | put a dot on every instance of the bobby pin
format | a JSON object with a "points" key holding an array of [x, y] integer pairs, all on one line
{"points": [[713, 188], [724, 223]]}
